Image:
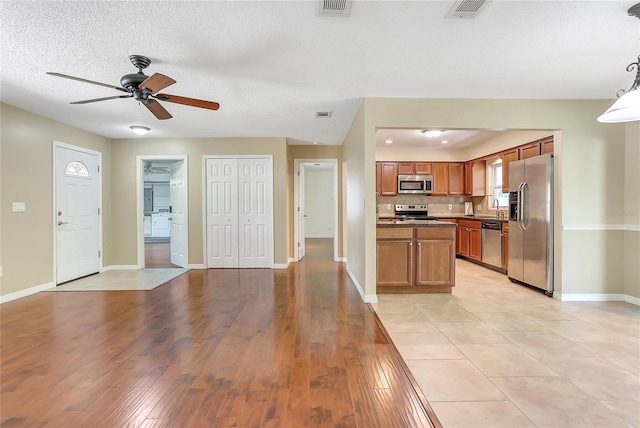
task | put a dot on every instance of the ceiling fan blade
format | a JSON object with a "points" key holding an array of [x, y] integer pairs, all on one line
{"points": [[155, 108], [156, 82], [102, 99], [87, 81], [188, 101]]}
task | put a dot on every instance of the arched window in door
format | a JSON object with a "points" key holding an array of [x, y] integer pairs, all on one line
{"points": [[77, 169]]}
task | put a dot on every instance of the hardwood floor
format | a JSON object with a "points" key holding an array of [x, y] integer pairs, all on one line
{"points": [[158, 255], [211, 348]]}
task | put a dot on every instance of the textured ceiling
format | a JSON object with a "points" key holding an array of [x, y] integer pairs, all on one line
{"points": [[272, 65]]}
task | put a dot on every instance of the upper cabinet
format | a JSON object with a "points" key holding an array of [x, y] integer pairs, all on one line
{"points": [[388, 178], [411, 168], [507, 157], [529, 150], [456, 178], [475, 178], [440, 178]]}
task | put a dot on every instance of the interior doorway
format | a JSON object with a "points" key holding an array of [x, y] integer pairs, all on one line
{"points": [[316, 204], [162, 189]]}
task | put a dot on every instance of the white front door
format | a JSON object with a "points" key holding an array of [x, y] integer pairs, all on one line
{"points": [[177, 201], [302, 216], [255, 199], [77, 217], [222, 213]]}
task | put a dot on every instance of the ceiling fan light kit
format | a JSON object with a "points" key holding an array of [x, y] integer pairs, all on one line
{"points": [[144, 89], [627, 107], [432, 133]]}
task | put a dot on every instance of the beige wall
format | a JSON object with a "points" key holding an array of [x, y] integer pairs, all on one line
{"points": [[315, 152], [27, 176], [589, 159], [360, 183], [632, 210], [124, 153]]}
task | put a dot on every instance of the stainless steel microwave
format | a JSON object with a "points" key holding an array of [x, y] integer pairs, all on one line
{"points": [[415, 184]]}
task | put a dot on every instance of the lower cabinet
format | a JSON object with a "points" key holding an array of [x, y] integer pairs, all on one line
{"points": [[470, 239], [415, 259], [435, 258], [505, 245], [395, 256]]}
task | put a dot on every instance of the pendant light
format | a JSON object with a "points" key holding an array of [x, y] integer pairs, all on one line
{"points": [[627, 107]]}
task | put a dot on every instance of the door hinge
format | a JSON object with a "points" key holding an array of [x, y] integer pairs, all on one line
{"points": [[298, 173], [98, 254], [98, 211], [298, 245], [98, 168]]}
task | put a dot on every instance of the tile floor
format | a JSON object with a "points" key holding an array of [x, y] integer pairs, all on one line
{"points": [[141, 279], [498, 354]]}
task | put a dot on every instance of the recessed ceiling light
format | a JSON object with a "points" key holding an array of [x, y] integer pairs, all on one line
{"points": [[315, 143], [444, 141], [140, 130], [389, 141], [432, 133]]}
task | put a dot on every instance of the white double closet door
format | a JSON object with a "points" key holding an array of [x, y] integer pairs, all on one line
{"points": [[239, 212]]}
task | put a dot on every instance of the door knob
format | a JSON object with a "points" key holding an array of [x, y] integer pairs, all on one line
{"points": [[60, 223]]}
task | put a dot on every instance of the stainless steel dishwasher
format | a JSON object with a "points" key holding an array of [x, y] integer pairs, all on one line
{"points": [[492, 243]]}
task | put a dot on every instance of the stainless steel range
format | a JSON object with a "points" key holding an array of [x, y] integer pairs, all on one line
{"points": [[413, 212]]}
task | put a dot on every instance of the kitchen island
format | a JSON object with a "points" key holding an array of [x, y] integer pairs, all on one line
{"points": [[415, 256]]}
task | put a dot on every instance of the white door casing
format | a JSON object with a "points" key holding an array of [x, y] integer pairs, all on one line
{"points": [[77, 204], [302, 216], [178, 201], [239, 212], [180, 233]]}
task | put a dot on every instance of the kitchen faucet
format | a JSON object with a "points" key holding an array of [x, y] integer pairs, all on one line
{"points": [[496, 204]]}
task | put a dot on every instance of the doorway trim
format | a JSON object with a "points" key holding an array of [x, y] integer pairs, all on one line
{"points": [[296, 198], [54, 218], [140, 205]]}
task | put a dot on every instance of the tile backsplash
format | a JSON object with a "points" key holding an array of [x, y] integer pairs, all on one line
{"points": [[438, 205]]}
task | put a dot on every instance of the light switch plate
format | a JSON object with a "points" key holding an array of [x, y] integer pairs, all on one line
{"points": [[450, 207], [18, 207]]}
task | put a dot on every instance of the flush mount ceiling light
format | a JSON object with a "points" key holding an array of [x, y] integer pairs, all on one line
{"points": [[444, 141], [627, 107], [140, 130], [432, 133], [389, 141]]}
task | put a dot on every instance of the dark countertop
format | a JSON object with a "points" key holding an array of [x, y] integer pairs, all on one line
{"points": [[412, 223], [474, 217]]}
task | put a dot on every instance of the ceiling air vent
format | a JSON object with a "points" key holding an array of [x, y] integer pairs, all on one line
{"points": [[321, 114], [334, 7], [467, 9]]}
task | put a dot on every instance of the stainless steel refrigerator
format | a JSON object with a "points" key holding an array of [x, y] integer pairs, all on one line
{"points": [[531, 222]]}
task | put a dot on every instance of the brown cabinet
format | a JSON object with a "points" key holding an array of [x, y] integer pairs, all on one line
{"points": [[378, 178], [469, 239], [546, 146], [409, 168], [440, 178], [529, 150], [505, 245], [394, 256], [456, 178], [507, 157], [388, 178], [475, 178], [435, 256], [415, 259]]}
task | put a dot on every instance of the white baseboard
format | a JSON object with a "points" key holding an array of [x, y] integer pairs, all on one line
{"points": [[367, 298], [281, 265], [196, 266], [341, 260], [597, 298], [24, 293], [631, 299], [119, 267]]}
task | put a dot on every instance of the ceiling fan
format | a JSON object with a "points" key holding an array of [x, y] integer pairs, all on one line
{"points": [[144, 89]]}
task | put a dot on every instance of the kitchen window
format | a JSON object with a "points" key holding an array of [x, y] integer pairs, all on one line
{"points": [[496, 186]]}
